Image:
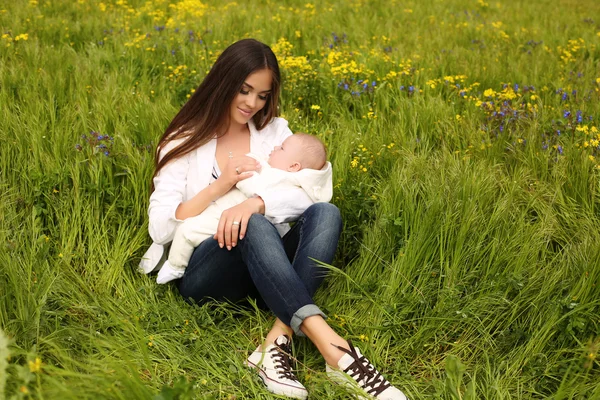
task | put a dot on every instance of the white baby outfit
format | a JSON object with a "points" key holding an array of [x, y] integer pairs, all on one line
{"points": [[194, 230]]}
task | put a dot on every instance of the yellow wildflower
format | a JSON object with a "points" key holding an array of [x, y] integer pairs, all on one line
{"points": [[489, 93], [582, 128], [35, 366], [315, 107]]}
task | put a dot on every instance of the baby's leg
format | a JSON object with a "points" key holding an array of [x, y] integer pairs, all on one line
{"points": [[189, 235], [167, 273]]}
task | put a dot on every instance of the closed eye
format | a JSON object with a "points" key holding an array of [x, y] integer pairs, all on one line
{"points": [[261, 97]]}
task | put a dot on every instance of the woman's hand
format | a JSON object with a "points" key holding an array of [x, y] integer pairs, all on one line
{"points": [[234, 221], [237, 169]]}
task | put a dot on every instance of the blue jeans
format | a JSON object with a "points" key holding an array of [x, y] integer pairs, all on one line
{"points": [[266, 266]]}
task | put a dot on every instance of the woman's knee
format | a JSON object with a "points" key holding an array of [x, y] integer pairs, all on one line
{"points": [[259, 226], [326, 214]]}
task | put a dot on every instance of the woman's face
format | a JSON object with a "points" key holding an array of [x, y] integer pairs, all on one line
{"points": [[252, 97]]}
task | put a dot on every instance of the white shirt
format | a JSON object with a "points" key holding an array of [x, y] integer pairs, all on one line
{"points": [[183, 178]]}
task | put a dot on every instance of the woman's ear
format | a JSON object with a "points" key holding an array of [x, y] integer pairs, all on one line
{"points": [[295, 167]]}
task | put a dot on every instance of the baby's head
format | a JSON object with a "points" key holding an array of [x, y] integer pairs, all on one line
{"points": [[297, 152]]}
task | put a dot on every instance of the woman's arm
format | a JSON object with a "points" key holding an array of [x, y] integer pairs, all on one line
{"points": [[169, 189], [200, 201], [167, 206]]}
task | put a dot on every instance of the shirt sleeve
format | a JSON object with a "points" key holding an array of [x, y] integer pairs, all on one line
{"points": [[169, 189]]}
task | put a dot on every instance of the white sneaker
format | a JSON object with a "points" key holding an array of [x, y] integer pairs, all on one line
{"points": [[168, 273], [355, 371], [275, 370]]}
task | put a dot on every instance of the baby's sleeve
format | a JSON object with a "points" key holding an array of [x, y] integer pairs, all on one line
{"points": [[285, 205]]}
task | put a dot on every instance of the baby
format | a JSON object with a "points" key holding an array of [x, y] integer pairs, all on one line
{"points": [[300, 161]]}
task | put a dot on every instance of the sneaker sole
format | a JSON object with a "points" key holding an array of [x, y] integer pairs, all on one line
{"points": [[291, 392], [342, 379]]}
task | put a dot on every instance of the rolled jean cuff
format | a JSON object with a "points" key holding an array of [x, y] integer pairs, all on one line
{"points": [[304, 312]]}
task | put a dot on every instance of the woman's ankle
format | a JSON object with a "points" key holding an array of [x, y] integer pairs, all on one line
{"points": [[333, 354], [278, 329], [325, 338]]}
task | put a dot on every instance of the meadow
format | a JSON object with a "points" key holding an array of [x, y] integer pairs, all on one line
{"points": [[465, 141]]}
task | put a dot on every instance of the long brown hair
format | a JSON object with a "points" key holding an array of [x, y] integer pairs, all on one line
{"points": [[206, 112]]}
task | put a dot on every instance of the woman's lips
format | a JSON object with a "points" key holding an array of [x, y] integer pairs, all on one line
{"points": [[244, 112]]}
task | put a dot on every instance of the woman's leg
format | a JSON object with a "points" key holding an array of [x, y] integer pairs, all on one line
{"points": [[315, 235], [215, 273], [287, 287]]}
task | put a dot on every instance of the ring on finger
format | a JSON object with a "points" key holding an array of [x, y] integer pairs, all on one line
{"points": [[235, 223], [237, 170]]}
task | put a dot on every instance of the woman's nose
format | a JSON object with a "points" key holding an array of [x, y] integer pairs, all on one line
{"points": [[251, 100]]}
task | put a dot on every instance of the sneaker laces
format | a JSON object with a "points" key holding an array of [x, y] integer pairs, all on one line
{"points": [[280, 354], [362, 370]]}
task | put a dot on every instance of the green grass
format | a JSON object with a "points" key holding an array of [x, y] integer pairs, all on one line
{"points": [[469, 265]]}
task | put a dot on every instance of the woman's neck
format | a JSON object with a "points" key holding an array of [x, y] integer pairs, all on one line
{"points": [[237, 130]]}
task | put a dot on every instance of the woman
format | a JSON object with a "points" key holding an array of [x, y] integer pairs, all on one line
{"points": [[200, 157]]}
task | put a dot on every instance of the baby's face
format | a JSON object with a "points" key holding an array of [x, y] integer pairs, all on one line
{"points": [[284, 156]]}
